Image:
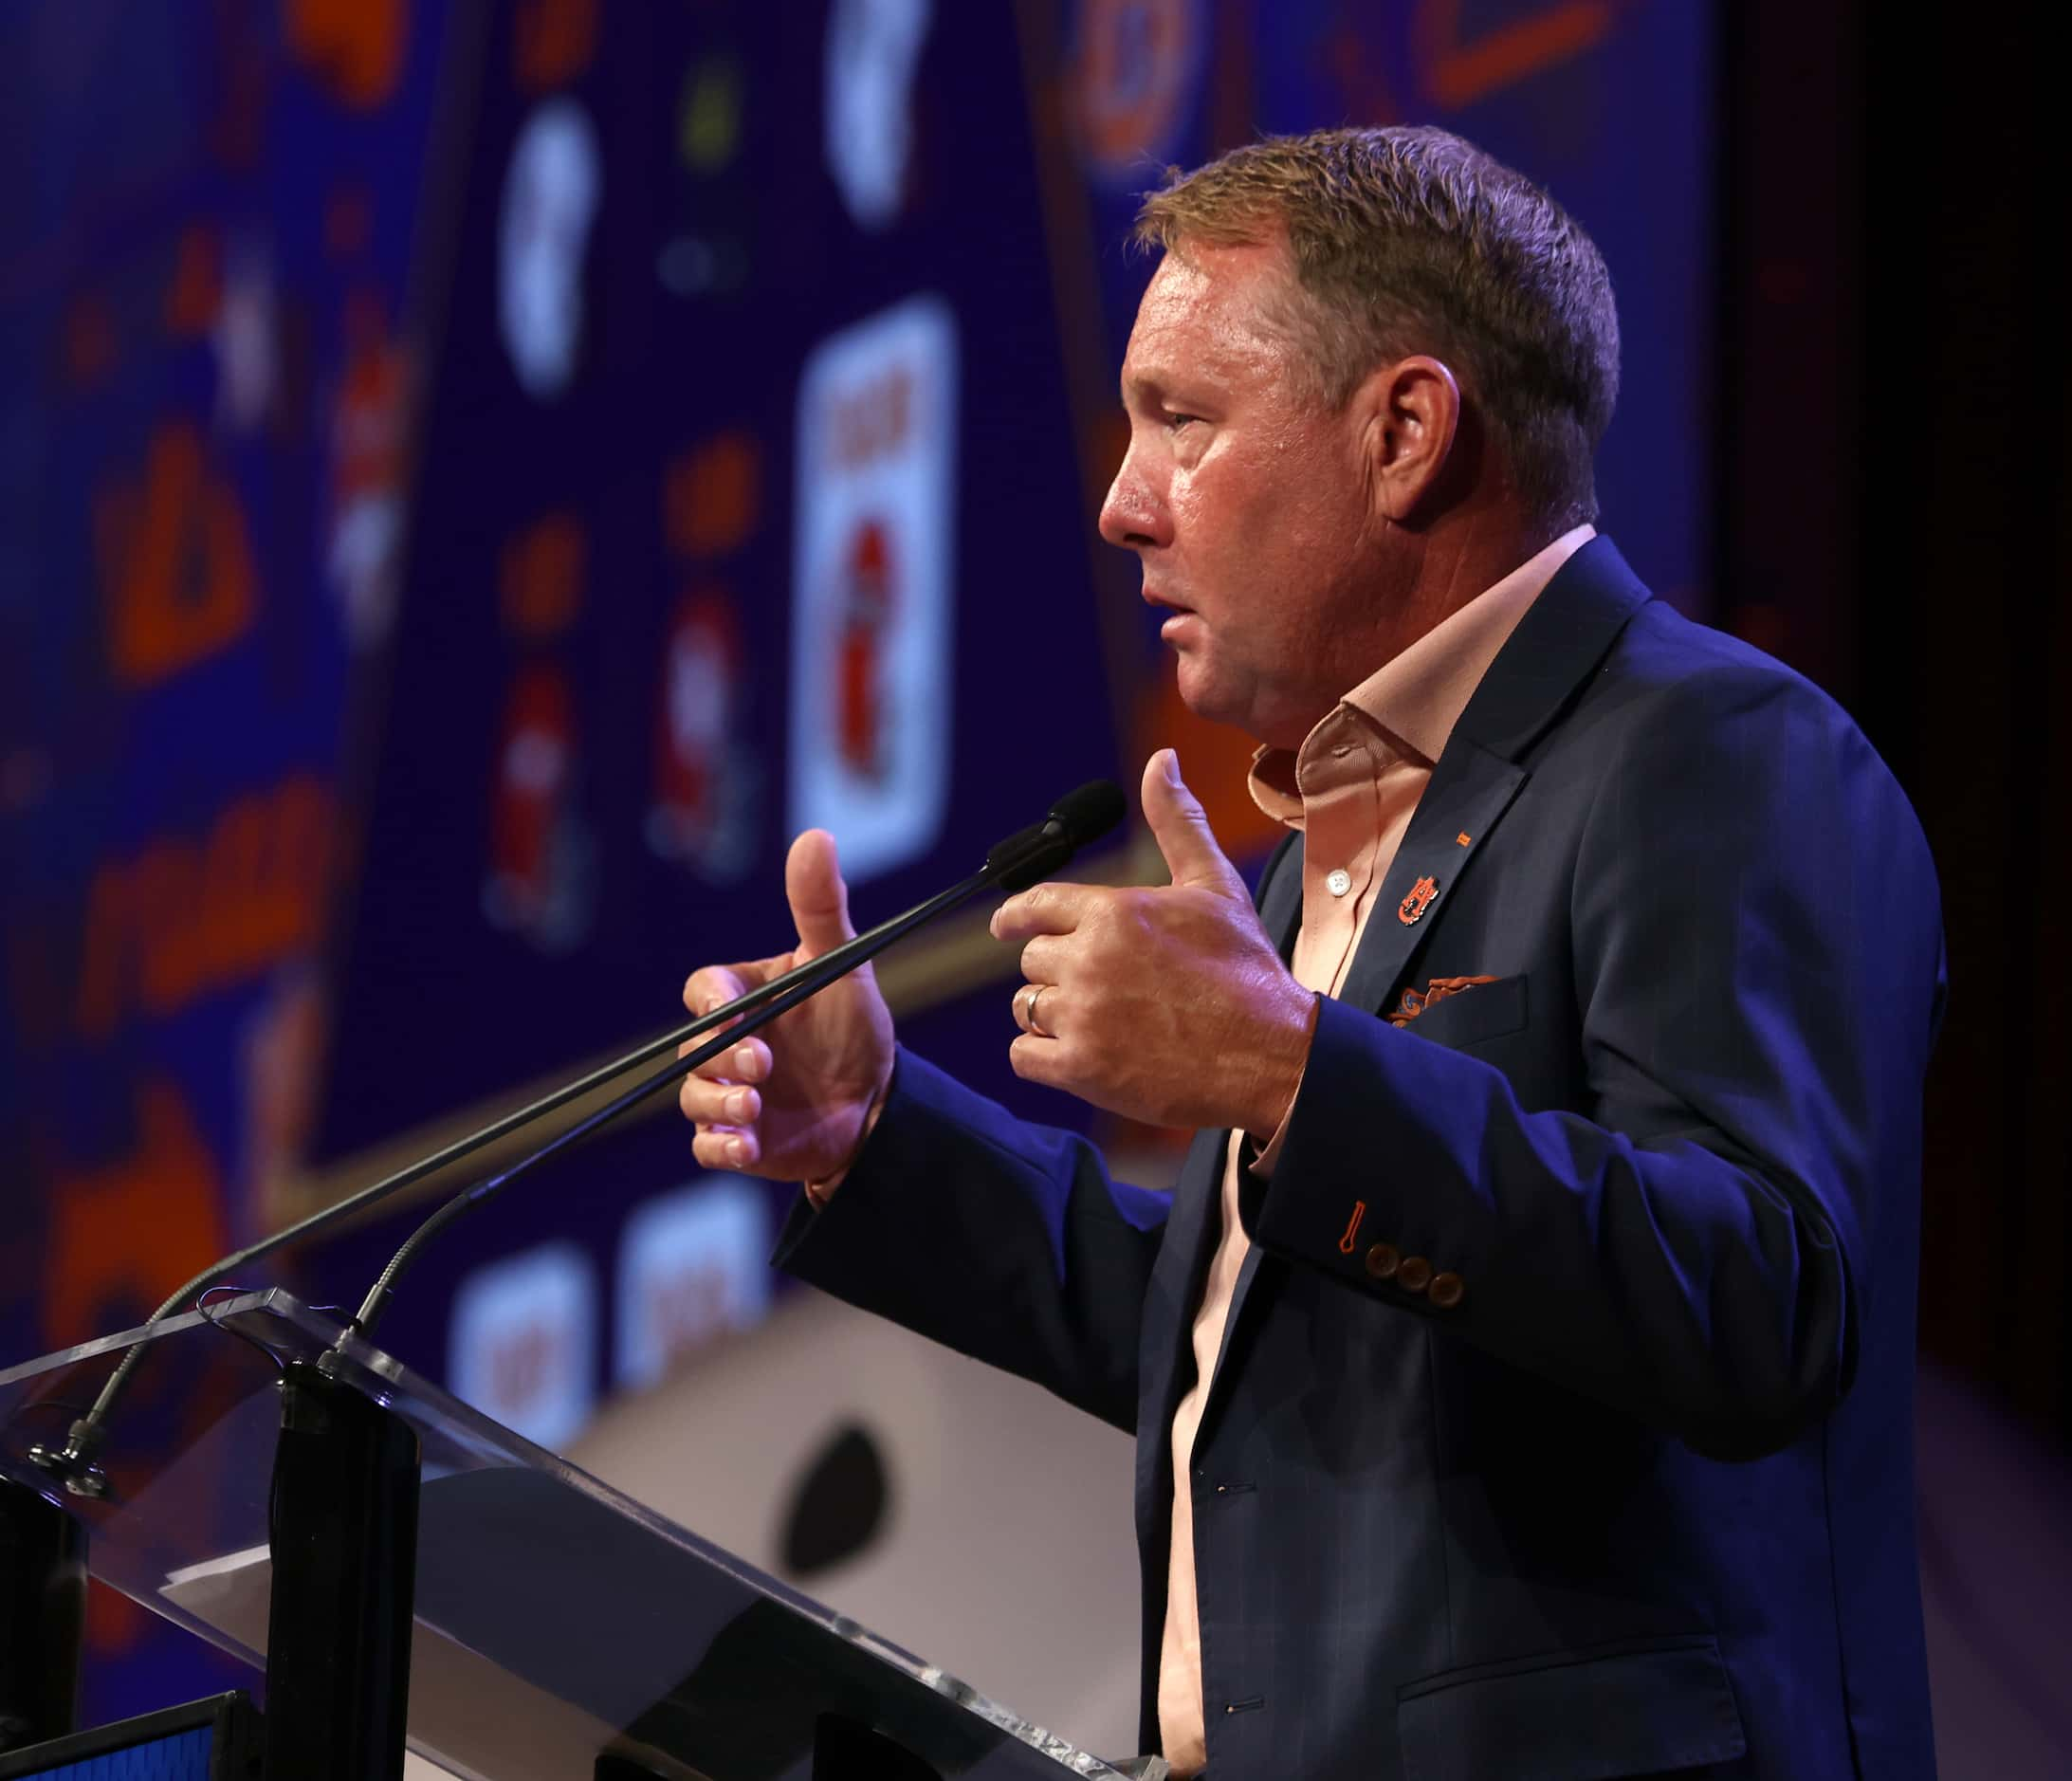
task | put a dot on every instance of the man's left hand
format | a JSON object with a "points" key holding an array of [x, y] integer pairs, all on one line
{"points": [[1165, 1004]]}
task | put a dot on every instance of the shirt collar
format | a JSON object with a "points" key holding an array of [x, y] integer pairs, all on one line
{"points": [[1418, 697]]}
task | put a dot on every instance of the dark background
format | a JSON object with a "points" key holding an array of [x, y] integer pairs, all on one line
{"points": [[1894, 504], [1838, 241]]}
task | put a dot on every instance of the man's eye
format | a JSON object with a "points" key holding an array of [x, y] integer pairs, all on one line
{"points": [[1178, 421]]}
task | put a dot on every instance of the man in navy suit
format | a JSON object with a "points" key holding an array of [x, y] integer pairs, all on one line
{"points": [[1522, 1367]]}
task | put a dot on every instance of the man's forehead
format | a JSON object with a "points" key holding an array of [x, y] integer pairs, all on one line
{"points": [[1205, 310]]}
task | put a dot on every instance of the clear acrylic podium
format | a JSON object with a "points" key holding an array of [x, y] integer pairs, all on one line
{"points": [[562, 1631]]}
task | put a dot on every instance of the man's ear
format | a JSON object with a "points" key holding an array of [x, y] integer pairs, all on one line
{"points": [[1411, 419]]}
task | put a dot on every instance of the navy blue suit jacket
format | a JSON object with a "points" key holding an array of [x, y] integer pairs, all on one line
{"points": [[1641, 1499]]}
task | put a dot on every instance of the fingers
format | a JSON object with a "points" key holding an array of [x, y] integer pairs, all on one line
{"points": [[721, 1102], [1035, 1009], [712, 986], [1181, 827], [1047, 957], [749, 1061], [819, 899], [719, 1148], [1050, 908], [1036, 1060]]}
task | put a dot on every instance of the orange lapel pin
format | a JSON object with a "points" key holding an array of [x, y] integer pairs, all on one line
{"points": [[1411, 910]]}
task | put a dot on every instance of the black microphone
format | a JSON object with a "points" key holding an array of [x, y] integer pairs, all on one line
{"points": [[1014, 864], [1029, 856]]}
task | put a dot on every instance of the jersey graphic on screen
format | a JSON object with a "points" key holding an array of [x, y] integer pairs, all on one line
{"points": [[708, 780], [871, 618], [541, 861], [693, 1264], [369, 447], [522, 1346]]}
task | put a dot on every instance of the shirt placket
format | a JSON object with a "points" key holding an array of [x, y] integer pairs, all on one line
{"points": [[1340, 810]]}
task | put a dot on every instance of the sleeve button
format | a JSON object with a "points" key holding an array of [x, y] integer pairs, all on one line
{"points": [[1381, 1260], [1415, 1274], [1447, 1289]]}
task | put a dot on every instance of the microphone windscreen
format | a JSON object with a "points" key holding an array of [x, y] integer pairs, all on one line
{"points": [[1089, 812], [1033, 853]]}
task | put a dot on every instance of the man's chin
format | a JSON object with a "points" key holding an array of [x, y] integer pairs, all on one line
{"points": [[1216, 700], [1207, 696]]}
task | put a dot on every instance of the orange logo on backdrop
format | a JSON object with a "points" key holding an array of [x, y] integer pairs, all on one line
{"points": [[1457, 71], [89, 342], [1132, 76], [195, 294], [123, 1235], [354, 46], [184, 917], [175, 561], [552, 41], [120, 1238], [543, 576], [712, 496]]}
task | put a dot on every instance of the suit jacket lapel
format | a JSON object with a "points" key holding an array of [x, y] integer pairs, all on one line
{"points": [[1555, 647], [1469, 789], [1280, 897]]}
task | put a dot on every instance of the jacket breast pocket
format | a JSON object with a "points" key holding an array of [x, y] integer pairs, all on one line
{"points": [[1632, 1709], [1468, 1017]]}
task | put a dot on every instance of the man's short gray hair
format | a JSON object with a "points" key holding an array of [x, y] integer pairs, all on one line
{"points": [[1409, 240]]}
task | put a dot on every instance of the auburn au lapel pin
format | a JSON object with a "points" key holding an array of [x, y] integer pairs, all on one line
{"points": [[1411, 910]]}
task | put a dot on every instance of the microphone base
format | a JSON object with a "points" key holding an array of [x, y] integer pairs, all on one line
{"points": [[73, 1464]]}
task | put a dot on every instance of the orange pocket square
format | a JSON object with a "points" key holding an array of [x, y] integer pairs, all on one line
{"points": [[1415, 1002]]}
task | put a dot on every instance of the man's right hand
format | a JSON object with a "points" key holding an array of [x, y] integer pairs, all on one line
{"points": [[793, 1102]]}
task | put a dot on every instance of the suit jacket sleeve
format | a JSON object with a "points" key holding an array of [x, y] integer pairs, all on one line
{"points": [[1004, 1240], [1757, 961]]}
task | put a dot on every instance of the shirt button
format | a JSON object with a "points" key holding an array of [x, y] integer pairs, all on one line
{"points": [[1339, 882]]}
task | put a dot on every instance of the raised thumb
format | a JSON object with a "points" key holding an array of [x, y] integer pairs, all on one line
{"points": [[1181, 827], [814, 887]]}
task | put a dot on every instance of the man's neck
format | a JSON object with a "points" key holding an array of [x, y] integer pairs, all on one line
{"points": [[1463, 556], [1445, 573]]}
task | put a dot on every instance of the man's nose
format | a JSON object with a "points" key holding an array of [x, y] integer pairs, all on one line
{"points": [[1132, 517]]}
